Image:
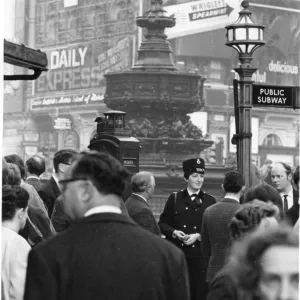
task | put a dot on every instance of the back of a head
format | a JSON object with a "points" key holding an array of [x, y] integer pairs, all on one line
{"points": [[140, 181], [63, 156], [4, 172], [263, 192], [17, 160], [36, 165], [107, 173], [249, 217], [245, 258], [233, 182], [13, 198], [13, 175]]}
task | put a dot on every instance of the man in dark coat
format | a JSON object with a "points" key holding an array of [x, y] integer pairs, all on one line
{"points": [[181, 222], [50, 190], [292, 215], [214, 234], [35, 168], [103, 254], [143, 185]]}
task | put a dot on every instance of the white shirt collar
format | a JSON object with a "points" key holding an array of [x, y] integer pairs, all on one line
{"points": [[191, 193], [140, 196], [32, 176], [56, 179], [232, 197], [102, 209]]}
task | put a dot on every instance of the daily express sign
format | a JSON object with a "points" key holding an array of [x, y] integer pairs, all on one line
{"points": [[201, 16]]}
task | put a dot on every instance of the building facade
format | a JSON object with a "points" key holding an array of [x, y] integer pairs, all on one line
{"points": [[85, 39]]}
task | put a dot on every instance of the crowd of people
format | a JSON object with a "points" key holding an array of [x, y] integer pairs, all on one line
{"points": [[74, 237]]}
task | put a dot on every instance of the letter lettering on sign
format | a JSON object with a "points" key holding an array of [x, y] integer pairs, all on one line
{"points": [[54, 56], [82, 53], [63, 59]]}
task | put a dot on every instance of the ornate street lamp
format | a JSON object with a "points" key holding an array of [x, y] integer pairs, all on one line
{"points": [[244, 36]]}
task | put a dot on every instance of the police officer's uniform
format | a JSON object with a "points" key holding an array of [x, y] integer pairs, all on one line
{"points": [[186, 215]]}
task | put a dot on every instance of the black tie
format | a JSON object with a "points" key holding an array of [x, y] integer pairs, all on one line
{"points": [[196, 198], [285, 203]]}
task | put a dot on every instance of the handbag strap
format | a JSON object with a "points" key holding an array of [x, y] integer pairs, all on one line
{"points": [[175, 198]]}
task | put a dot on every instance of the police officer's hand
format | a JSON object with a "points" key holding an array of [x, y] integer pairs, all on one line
{"points": [[179, 234], [192, 238]]}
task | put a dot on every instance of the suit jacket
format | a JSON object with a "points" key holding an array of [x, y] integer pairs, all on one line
{"points": [[140, 212], [215, 235], [35, 182], [292, 215], [106, 255], [185, 216], [49, 192]]}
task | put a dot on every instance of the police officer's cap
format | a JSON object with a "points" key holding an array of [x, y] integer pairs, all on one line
{"points": [[194, 165]]}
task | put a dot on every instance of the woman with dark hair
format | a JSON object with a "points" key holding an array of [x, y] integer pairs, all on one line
{"points": [[14, 174], [250, 217], [15, 249], [266, 193], [38, 226]]}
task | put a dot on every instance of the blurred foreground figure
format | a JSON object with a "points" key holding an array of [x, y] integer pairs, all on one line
{"points": [[103, 254], [266, 265], [15, 249], [250, 217]]}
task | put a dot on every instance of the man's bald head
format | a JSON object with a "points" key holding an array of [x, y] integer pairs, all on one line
{"points": [[143, 183]]}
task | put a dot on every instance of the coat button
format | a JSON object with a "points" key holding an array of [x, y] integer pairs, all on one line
{"points": [[193, 246], [184, 226], [186, 208], [195, 227], [182, 245]]}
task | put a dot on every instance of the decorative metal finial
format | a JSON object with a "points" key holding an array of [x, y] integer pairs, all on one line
{"points": [[245, 4]]}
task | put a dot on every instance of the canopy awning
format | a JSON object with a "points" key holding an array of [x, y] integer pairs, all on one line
{"points": [[22, 56]]}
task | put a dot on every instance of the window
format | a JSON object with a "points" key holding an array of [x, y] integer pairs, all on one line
{"points": [[69, 3], [272, 140]]}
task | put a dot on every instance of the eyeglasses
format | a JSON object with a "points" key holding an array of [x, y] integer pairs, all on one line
{"points": [[64, 182]]}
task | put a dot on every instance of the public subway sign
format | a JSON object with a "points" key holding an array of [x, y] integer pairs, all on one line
{"points": [[270, 95]]}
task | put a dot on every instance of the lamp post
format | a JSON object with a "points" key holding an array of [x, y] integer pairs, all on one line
{"points": [[244, 36]]}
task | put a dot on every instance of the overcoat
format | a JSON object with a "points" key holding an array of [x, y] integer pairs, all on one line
{"points": [[106, 256], [185, 216], [49, 193], [140, 212], [215, 239], [35, 182]]}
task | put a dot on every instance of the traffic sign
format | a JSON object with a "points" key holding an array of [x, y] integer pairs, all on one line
{"points": [[272, 95]]}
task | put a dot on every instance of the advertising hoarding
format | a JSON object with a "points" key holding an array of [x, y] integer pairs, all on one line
{"points": [[201, 16]]}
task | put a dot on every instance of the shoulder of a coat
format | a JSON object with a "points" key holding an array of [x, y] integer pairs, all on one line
{"points": [[208, 195]]}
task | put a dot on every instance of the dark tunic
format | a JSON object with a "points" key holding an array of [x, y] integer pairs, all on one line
{"points": [[187, 217]]}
